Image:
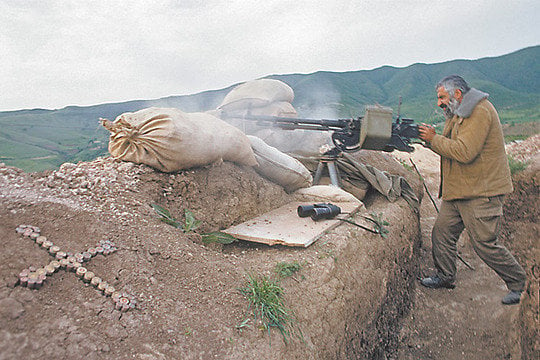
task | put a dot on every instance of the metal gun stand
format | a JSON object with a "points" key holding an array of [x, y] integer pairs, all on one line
{"points": [[330, 161]]}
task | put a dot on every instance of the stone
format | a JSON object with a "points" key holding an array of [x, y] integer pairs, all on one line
{"points": [[11, 308]]}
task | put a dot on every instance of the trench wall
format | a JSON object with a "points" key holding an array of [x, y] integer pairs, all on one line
{"points": [[354, 293]]}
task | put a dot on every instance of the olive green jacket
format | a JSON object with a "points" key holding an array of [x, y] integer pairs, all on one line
{"points": [[473, 157]]}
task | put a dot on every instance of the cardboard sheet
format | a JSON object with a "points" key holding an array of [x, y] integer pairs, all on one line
{"points": [[284, 226]]}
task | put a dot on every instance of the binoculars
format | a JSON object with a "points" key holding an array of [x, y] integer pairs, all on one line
{"points": [[319, 211]]}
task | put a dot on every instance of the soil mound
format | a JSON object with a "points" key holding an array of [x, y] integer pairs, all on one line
{"points": [[520, 232], [347, 299]]}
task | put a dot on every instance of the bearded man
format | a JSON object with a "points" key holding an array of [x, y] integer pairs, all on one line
{"points": [[475, 176]]}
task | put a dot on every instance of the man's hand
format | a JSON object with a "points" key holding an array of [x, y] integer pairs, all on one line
{"points": [[426, 132]]}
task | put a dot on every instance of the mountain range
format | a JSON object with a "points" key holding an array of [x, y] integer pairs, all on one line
{"points": [[40, 139]]}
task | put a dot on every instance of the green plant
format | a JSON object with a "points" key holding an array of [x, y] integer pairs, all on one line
{"points": [[328, 253], [380, 224], [265, 297], [190, 222], [510, 138], [285, 269], [243, 324], [515, 165], [165, 216], [218, 237]]}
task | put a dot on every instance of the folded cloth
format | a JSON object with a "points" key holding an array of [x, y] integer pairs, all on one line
{"points": [[391, 186]]}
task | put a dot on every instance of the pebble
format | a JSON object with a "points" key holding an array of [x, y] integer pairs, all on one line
{"points": [[11, 308]]}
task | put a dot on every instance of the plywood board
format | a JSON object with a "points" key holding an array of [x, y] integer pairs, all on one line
{"points": [[284, 226]]}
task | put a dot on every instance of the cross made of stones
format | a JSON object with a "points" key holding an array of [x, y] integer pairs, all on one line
{"points": [[34, 278]]}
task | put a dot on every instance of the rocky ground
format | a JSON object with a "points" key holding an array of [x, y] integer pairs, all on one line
{"points": [[348, 297]]}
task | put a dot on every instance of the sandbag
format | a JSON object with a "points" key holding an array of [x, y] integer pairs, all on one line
{"points": [[279, 167], [171, 140], [324, 193], [236, 117], [256, 93], [296, 142]]}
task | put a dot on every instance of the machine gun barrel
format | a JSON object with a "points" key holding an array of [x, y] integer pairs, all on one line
{"points": [[289, 123], [374, 131]]}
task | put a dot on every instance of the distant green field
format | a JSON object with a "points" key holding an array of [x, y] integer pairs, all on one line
{"points": [[37, 140]]}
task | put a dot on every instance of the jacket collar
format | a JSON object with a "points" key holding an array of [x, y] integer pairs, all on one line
{"points": [[469, 102]]}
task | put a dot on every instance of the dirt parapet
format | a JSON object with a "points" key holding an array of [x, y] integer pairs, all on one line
{"points": [[348, 297], [520, 233]]}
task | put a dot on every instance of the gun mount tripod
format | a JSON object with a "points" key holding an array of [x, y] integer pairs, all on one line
{"points": [[328, 161]]}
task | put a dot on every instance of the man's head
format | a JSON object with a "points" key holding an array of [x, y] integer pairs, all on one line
{"points": [[450, 91]]}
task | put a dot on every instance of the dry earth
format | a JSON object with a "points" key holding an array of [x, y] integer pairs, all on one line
{"points": [[469, 322], [348, 298]]}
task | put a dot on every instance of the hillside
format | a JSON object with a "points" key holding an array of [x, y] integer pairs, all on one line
{"points": [[40, 139]]}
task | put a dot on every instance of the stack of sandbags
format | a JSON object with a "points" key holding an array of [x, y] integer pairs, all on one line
{"points": [[266, 96], [270, 98], [256, 97], [171, 140]]}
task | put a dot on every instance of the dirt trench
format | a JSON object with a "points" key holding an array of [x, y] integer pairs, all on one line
{"points": [[347, 300], [469, 322]]}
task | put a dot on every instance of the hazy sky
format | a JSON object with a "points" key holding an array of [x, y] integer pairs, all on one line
{"points": [[56, 53]]}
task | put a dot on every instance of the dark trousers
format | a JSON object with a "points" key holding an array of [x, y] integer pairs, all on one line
{"points": [[481, 217]]}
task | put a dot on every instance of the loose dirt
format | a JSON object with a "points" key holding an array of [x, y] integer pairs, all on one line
{"points": [[469, 322], [353, 288], [348, 298]]}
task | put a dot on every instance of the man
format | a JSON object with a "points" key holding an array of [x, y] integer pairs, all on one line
{"points": [[475, 176]]}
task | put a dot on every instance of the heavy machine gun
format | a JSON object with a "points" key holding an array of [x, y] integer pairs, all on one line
{"points": [[376, 130]]}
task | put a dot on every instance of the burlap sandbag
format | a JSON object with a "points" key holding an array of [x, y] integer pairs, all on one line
{"points": [[256, 93], [250, 126], [171, 140], [279, 167]]}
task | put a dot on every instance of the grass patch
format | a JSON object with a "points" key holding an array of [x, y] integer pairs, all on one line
{"points": [[285, 269], [265, 298], [380, 224], [510, 138], [516, 165], [191, 224]]}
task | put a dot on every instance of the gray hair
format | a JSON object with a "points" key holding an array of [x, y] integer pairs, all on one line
{"points": [[452, 82]]}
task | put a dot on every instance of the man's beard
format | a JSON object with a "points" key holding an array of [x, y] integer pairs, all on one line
{"points": [[450, 109]]}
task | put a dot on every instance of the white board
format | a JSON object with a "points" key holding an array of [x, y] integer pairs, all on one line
{"points": [[284, 226]]}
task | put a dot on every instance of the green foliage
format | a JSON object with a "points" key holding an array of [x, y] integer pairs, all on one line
{"points": [[381, 224], [243, 324], [190, 222], [43, 139], [285, 269], [510, 138], [516, 165], [265, 297], [327, 253], [165, 216], [218, 237], [405, 165]]}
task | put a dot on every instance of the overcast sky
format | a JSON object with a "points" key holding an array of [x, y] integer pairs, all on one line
{"points": [[56, 53]]}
